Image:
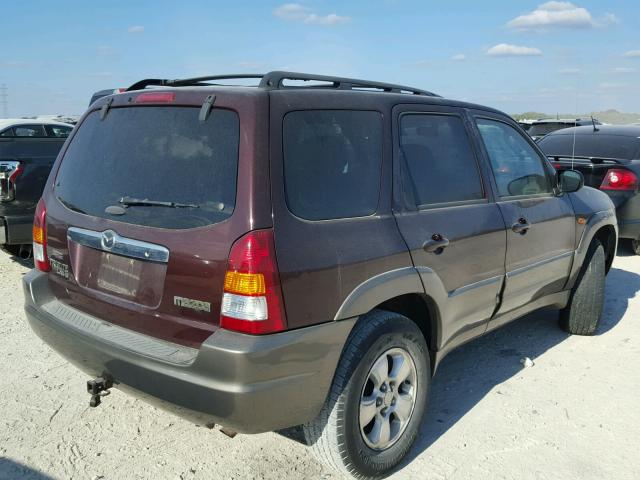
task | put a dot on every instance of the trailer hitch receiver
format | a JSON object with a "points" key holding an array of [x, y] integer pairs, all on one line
{"points": [[98, 387]]}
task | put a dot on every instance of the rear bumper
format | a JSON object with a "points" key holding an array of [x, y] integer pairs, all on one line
{"points": [[628, 215], [16, 229], [250, 384]]}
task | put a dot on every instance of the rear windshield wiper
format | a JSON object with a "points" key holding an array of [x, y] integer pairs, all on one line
{"points": [[144, 202]]}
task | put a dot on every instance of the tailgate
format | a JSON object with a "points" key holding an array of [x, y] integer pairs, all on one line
{"points": [[144, 211]]}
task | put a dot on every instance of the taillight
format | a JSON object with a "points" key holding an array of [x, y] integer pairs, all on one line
{"points": [[156, 97], [252, 298], [618, 179], [10, 171], [16, 173], [40, 238]]}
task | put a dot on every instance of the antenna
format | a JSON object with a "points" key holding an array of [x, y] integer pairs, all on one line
{"points": [[4, 100], [595, 129], [575, 124]]}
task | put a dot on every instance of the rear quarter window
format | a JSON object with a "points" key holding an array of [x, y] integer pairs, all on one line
{"points": [[153, 153], [332, 163]]}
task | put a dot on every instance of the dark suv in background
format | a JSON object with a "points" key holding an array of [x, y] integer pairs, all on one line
{"points": [[293, 254], [28, 148]]}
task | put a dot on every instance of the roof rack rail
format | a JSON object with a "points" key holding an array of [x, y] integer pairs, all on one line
{"points": [[188, 82], [275, 81]]}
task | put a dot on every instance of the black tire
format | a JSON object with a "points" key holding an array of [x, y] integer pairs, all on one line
{"points": [[582, 315], [635, 246], [335, 436]]}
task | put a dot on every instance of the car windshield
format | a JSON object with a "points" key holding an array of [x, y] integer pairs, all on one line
{"points": [[153, 154]]}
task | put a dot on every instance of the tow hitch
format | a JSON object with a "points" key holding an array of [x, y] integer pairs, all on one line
{"points": [[98, 387]]}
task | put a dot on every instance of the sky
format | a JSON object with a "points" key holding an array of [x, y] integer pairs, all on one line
{"points": [[513, 55]]}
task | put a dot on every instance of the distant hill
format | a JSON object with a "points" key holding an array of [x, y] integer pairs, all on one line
{"points": [[607, 116]]}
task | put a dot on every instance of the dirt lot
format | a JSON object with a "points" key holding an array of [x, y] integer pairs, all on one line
{"points": [[574, 414]]}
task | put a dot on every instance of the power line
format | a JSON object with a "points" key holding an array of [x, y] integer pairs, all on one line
{"points": [[4, 100]]}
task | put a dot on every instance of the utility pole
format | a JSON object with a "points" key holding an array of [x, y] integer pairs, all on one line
{"points": [[4, 102]]}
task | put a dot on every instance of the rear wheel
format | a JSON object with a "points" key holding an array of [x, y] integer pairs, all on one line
{"points": [[582, 315], [373, 411]]}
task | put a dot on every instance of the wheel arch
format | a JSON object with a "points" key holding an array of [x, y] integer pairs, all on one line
{"points": [[421, 310], [609, 239], [601, 226], [399, 291]]}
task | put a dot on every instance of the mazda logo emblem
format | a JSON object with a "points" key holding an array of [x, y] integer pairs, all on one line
{"points": [[108, 239]]}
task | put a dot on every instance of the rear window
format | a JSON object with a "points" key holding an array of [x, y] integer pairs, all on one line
{"points": [[545, 128], [153, 153], [592, 145], [332, 163]]}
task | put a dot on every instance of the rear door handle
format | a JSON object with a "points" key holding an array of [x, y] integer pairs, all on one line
{"points": [[522, 226], [436, 244]]}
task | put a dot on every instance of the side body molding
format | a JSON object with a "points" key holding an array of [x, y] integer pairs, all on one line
{"points": [[377, 289]]}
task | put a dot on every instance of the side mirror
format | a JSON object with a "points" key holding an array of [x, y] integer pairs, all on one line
{"points": [[570, 181]]}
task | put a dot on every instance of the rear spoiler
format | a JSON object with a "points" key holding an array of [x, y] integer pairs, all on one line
{"points": [[592, 160]]}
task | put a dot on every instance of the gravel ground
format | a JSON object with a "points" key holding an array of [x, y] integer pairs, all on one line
{"points": [[574, 414]]}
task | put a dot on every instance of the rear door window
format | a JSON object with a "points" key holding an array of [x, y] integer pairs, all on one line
{"points": [[437, 160], [332, 163], [162, 154]]}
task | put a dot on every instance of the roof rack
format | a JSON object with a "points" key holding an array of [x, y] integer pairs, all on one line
{"points": [[276, 81]]}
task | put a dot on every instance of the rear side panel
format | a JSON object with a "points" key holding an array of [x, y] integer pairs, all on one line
{"points": [[177, 298], [322, 261]]}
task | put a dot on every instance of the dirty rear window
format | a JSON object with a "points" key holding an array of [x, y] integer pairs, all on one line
{"points": [[153, 153]]}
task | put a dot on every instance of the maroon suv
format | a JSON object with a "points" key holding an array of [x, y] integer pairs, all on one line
{"points": [[303, 254]]}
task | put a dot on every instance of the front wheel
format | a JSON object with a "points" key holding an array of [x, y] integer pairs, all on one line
{"points": [[373, 411], [582, 315]]}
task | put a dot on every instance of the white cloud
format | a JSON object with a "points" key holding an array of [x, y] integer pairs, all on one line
{"points": [[460, 57], [624, 70], [569, 71], [632, 53], [136, 29], [423, 63], [298, 13], [507, 50], [557, 14]]}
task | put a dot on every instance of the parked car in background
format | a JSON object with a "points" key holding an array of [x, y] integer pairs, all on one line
{"points": [[104, 93], [609, 158], [525, 125], [68, 119], [280, 255], [28, 148], [543, 127]]}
